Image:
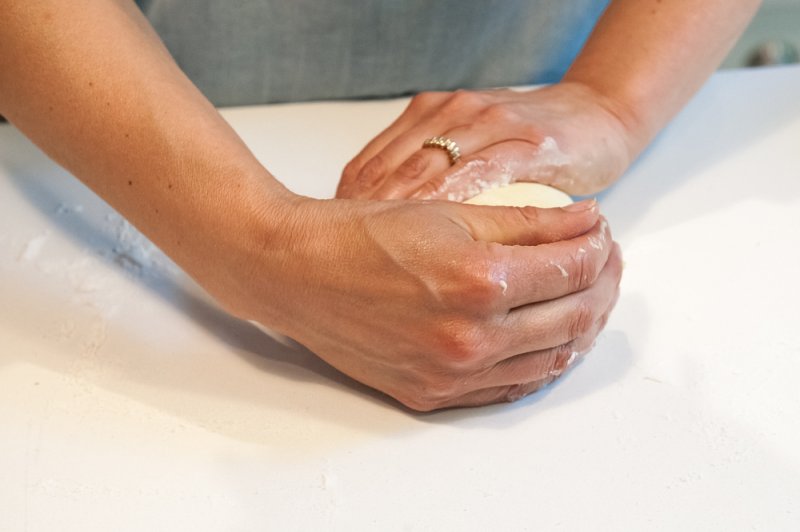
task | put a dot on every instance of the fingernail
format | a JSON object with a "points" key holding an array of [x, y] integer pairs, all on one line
{"points": [[581, 206]]}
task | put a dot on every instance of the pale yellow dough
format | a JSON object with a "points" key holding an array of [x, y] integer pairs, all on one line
{"points": [[522, 195]]}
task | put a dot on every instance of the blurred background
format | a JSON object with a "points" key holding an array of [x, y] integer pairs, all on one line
{"points": [[772, 38]]}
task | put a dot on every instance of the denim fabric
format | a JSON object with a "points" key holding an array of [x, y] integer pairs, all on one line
{"points": [[262, 51]]}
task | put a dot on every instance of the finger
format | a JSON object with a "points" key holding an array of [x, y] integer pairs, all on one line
{"points": [[420, 107], [528, 226], [454, 110], [413, 162], [525, 374], [375, 172], [499, 163], [499, 394], [532, 274], [538, 365], [559, 321], [425, 164], [511, 378], [475, 170]]}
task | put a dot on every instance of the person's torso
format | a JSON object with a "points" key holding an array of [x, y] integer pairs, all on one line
{"points": [[261, 51]]}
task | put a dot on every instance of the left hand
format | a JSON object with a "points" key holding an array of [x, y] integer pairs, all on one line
{"points": [[565, 135]]}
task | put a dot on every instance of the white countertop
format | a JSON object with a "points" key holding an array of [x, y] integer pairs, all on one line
{"points": [[128, 402]]}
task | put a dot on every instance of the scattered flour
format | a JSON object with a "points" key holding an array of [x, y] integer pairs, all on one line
{"points": [[33, 247], [469, 180], [503, 286], [560, 268]]}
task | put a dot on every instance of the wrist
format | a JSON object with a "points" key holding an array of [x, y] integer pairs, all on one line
{"points": [[268, 263], [622, 117], [229, 241], [594, 139]]}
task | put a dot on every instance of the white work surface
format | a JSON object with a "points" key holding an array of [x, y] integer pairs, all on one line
{"points": [[129, 402]]}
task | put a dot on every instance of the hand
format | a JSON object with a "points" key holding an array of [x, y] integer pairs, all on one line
{"points": [[436, 304], [564, 135]]}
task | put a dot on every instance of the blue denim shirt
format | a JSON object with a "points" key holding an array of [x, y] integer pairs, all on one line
{"points": [[262, 51]]}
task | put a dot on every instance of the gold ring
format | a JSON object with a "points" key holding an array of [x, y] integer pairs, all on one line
{"points": [[446, 144]]}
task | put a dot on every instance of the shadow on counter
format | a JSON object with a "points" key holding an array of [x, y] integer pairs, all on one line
{"points": [[736, 110], [48, 187]]}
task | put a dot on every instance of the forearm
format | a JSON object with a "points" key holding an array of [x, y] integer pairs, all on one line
{"points": [[92, 85], [649, 56]]}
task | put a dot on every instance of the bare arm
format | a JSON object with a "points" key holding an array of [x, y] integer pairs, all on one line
{"points": [[642, 63], [434, 304], [91, 84], [651, 56]]}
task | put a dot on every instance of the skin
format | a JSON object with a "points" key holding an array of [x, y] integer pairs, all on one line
{"points": [[642, 63], [437, 304]]}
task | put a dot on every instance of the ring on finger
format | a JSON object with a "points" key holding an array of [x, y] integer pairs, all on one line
{"points": [[446, 144]]}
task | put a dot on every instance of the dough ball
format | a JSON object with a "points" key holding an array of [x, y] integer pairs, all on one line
{"points": [[522, 195]]}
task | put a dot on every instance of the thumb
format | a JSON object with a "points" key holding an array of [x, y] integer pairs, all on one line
{"points": [[530, 226]]}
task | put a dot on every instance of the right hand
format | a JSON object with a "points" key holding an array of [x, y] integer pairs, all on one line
{"points": [[437, 304]]}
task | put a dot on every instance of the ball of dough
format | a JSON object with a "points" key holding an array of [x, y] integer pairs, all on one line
{"points": [[522, 195]]}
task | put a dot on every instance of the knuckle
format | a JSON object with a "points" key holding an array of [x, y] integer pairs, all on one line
{"points": [[351, 170], [344, 191], [516, 392], [581, 319], [513, 393], [531, 133], [372, 171], [432, 391], [414, 166], [529, 215], [560, 358], [423, 100], [477, 289], [462, 100], [479, 292], [585, 270], [498, 113], [416, 402], [458, 342]]}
